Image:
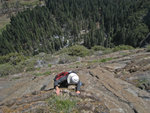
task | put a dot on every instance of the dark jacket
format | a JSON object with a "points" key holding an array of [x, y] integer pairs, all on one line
{"points": [[61, 79]]}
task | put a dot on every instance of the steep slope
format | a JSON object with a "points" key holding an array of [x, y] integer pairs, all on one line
{"points": [[108, 86], [12, 7], [61, 23]]}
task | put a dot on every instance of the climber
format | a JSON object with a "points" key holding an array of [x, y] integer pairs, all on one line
{"points": [[66, 78]]}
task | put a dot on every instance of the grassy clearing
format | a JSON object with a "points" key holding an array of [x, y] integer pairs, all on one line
{"points": [[23, 2], [4, 19], [62, 104], [29, 2]]}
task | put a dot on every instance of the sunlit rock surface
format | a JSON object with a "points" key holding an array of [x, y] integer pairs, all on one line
{"points": [[120, 85]]}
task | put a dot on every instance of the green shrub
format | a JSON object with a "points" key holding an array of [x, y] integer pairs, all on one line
{"points": [[61, 104], [17, 58], [49, 65], [19, 68], [4, 59], [106, 59], [148, 48], [78, 50], [6, 69], [13, 58], [108, 50], [29, 64], [62, 51], [47, 73], [98, 48], [37, 74], [122, 47]]}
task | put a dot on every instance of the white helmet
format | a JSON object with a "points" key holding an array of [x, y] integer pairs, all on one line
{"points": [[73, 78]]}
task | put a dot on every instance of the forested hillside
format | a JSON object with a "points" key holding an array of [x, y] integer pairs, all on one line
{"points": [[12, 7], [66, 22]]}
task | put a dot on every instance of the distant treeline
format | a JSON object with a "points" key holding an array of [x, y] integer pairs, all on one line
{"points": [[66, 22]]}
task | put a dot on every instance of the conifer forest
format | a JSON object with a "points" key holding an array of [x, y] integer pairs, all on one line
{"points": [[62, 23]]}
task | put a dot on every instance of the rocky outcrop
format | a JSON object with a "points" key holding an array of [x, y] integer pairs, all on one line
{"points": [[120, 96], [109, 87], [36, 100], [134, 68]]}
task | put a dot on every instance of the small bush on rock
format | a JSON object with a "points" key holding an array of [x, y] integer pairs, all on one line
{"points": [[61, 104], [29, 64], [5, 69], [142, 83], [13, 58], [108, 50], [122, 47], [98, 48], [62, 51], [78, 50]]}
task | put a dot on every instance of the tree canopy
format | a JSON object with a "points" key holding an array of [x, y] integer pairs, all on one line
{"points": [[66, 22]]}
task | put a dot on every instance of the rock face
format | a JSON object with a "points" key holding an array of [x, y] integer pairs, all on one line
{"points": [[119, 96], [35, 101], [109, 87]]}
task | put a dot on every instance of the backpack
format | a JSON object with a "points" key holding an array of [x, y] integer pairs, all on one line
{"points": [[62, 74]]}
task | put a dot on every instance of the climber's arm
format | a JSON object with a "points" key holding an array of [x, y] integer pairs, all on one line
{"points": [[78, 87]]}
